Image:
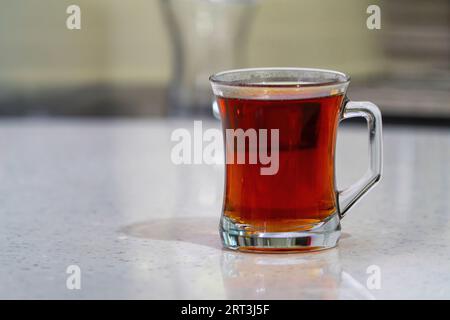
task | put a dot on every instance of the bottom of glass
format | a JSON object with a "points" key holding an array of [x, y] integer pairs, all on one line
{"points": [[325, 235]]}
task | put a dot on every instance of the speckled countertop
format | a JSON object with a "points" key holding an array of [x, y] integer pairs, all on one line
{"points": [[104, 195]]}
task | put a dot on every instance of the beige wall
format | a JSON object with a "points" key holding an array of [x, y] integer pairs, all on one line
{"points": [[126, 41]]}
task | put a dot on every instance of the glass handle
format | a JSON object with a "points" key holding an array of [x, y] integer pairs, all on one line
{"points": [[349, 196]]}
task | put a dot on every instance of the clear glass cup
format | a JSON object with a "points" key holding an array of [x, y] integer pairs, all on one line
{"points": [[280, 128]]}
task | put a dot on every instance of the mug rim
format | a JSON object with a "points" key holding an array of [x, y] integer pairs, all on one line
{"points": [[341, 78]]}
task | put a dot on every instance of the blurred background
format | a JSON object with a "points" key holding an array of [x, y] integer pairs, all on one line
{"points": [[152, 58]]}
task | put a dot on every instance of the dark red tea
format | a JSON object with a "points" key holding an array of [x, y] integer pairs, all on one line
{"points": [[302, 192]]}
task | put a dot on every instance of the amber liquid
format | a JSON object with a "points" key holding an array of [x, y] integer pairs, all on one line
{"points": [[302, 193]]}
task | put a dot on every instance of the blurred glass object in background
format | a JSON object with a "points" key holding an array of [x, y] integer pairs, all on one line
{"points": [[207, 36]]}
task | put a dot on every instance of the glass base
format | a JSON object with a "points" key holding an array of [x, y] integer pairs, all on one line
{"points": [[323, 236]]}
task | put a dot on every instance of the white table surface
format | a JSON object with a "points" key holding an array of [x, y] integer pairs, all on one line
{"points": [[104, 195]]}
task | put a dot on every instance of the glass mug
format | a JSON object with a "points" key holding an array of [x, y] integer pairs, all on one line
{"points": [[291, 115]]}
